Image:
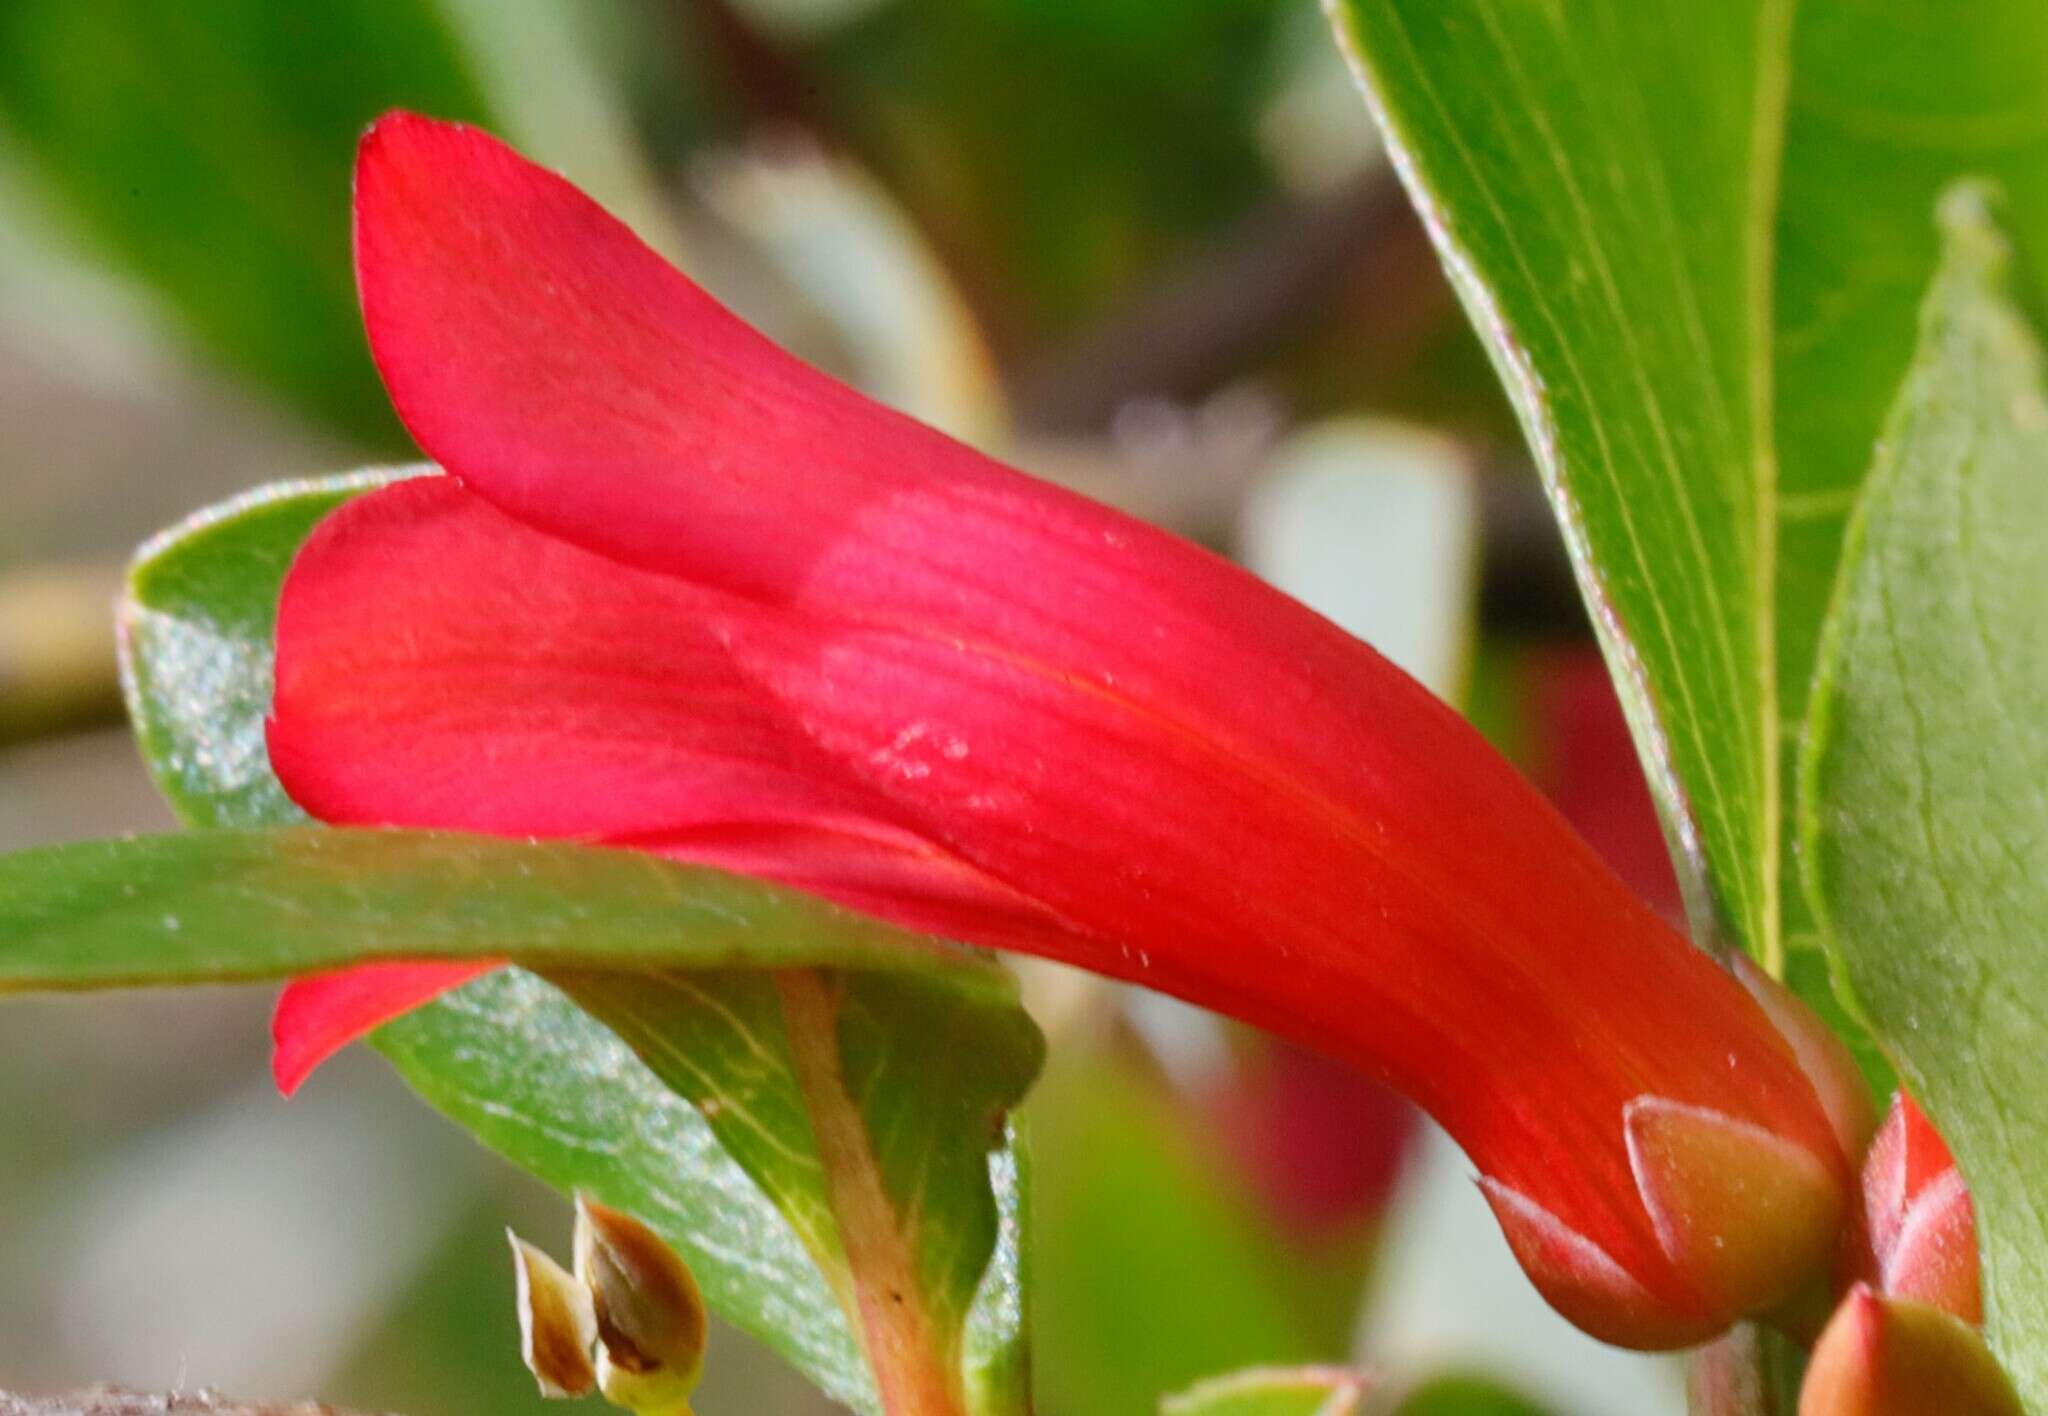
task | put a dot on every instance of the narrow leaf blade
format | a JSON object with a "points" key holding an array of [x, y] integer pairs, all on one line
{"points": [[227, 906]]}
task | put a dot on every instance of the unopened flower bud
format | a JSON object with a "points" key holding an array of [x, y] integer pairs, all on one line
{"points": [[1884, 1356], [651, 1320], [1921, 1225], [557, 1324]]}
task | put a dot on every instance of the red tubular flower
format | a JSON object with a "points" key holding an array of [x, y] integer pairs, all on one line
{"points": [[683, 593]]}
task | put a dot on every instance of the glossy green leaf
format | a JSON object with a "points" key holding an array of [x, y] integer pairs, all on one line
{"points": [[1599, 180], [1273, 1391], [1923, 815], [196, 627], [540, 1081], [936, 1060], [1891, 101]]}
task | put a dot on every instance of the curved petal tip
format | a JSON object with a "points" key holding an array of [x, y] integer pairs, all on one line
{"points": [[1586, 1285], [319, 1015]]}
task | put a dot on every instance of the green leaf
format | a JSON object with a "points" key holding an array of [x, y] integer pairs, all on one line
{"points": [[935, 1057], [540, 1081], [1273, 1391], [1924, 818], [1694, 239], [196, 629], [229, 906], [1600, 180], [1890, 103]]}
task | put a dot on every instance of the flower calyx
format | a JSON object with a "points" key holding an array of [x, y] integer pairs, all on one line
{"points": [[1837, 1081], [1744, 1218], [651, 1320]]}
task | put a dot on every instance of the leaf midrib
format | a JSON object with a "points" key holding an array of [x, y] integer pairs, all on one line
{"points": [[1773, 95]]}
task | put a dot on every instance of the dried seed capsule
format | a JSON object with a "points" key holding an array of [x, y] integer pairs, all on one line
{"points": [[651, 1320], [557, 1324]]}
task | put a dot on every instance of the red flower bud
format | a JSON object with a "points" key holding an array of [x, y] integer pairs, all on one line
{"points": [[1883, 1356], [684, 594], [1918, 1218]]}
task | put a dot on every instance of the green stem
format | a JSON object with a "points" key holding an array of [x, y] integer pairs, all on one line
{"points": [[903, 1344]]}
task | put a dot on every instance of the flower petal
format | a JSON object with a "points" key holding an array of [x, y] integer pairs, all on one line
{"points": [[521, 655], [440, 665], [425, 637], [319, 1015], [568, 375]]}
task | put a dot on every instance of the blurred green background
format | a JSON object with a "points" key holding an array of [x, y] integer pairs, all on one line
{"points": [[1152, 250]]}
